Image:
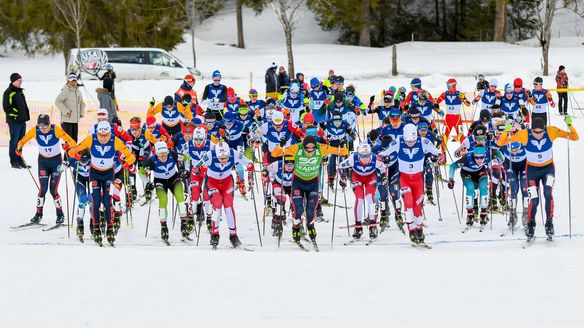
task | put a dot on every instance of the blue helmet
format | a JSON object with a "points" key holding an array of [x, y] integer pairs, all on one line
{"points": [[479, 151], [416, 82], [228, 117], [515, 146], [314, 82], [216, 73], [394, 112]]}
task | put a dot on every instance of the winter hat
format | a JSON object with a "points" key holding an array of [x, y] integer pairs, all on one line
{"points": [[253, 92], [274, 65], [410, 133], [189, 78], [150, 120], [102, 113], [14, 77], [71, 77], [230, 92], [538, 123], [416, 82], [168, 101], [562, 67], [161, 148], [309, 140], [103, 127], [298, 75], [216, 73], [43, 119], [314, 82]]}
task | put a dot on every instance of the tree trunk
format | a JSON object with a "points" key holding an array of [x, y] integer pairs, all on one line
{"points": [[365, 33], [437, 16], [238, 9], [288, 34], [193, 22], [383, 14], [394, 60], [546, 33], [444, 20], [456, 19], [500, 20]]}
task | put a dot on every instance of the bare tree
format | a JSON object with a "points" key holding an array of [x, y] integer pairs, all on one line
{"points": [[545, 16], [577, 6], [239, 18], [190, 9], [286, 11], [74, 17], [500, 20]]}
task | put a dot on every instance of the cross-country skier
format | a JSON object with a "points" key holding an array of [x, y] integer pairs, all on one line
{"points": [[215, 95], [48, 138], [365, 168], [219, 187], [173, 114], [167, 177], [540, 99], [489, 96], [454, 101], [538, 142], [102, 146], [307, 160], [411, 150]]}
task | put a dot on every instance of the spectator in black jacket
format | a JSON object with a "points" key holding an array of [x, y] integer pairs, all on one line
{"points": [[17, 114], [283, 80], [272, 82]]}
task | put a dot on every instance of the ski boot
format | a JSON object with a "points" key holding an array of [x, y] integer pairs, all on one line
{"points": [[503, 201], [331, 182], [484, 217], [102, 221], [530, 231], [134, 194], [164, 233], [399, 221], [96, 232], [184, 229], [214, 240], [36, 218], [429, 195], [80, 230], [358, 232], [311, 231], [110, 235], [147, 196], [413, 236], [493, 206], [117, 222], [241, 186], [296, 234], [383, 222], [343, 182], [549, 228], [234, 240], [60, 219], [469, 217], [277, 226], [420, 236], [199, 213], [208, 222], [190, 223], [373, 231]]}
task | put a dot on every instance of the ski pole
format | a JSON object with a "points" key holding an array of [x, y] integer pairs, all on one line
{"points": [[75, 180], [438, 196], [334, 205], [256, 214], [569, 190], [31, 175], [148, 218], [67, 200]]}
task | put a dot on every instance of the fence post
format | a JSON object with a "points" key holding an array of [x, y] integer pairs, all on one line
{"points": [[394, 60]]}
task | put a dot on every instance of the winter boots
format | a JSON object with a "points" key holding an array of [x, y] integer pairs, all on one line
{"points": [[164, 232], [36, 218], [358, 232], [234, 240]]}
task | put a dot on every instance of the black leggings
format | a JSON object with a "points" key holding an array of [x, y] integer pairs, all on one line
{"points": [[49, 177], [301, 190]]}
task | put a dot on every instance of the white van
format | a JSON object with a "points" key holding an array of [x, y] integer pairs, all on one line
{"points": [[139, 63]]}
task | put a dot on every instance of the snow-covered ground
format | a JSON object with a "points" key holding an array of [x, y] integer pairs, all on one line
{"points": [[475, 279]]}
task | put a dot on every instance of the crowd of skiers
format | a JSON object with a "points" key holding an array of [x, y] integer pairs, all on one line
{"points": [[299, 148]]}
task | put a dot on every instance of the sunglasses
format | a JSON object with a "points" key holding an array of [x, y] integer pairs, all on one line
{"points": [[422, 130], [43, 126], [537, 131], [365, 156], [450, 85], [414, 115], [153, 126], [480, 157], [538, 84], [134, 129], [309, 149], [480, 138], [517, 86], [289, 165], [216, 80]]}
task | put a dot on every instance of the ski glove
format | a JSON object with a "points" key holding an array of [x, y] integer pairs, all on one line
{"points": [[149, 186], [568, 120], [18, 151], [152, 102]]}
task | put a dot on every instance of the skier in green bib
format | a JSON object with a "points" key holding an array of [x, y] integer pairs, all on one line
{"points": [[305, 181]]}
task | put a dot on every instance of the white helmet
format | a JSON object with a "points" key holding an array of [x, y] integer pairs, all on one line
{"points": [[161, 147], [410, 132], [278, 118], [364, 149], [102, 113], [294, 88], [199, 133], [222, 150], [493, 82], [103, 128]]}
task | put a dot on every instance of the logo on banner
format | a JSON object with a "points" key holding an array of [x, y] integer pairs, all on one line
{"points": [[91, 60]]}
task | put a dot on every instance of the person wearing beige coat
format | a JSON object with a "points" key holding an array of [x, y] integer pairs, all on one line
{"points": [[71, 105]]}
